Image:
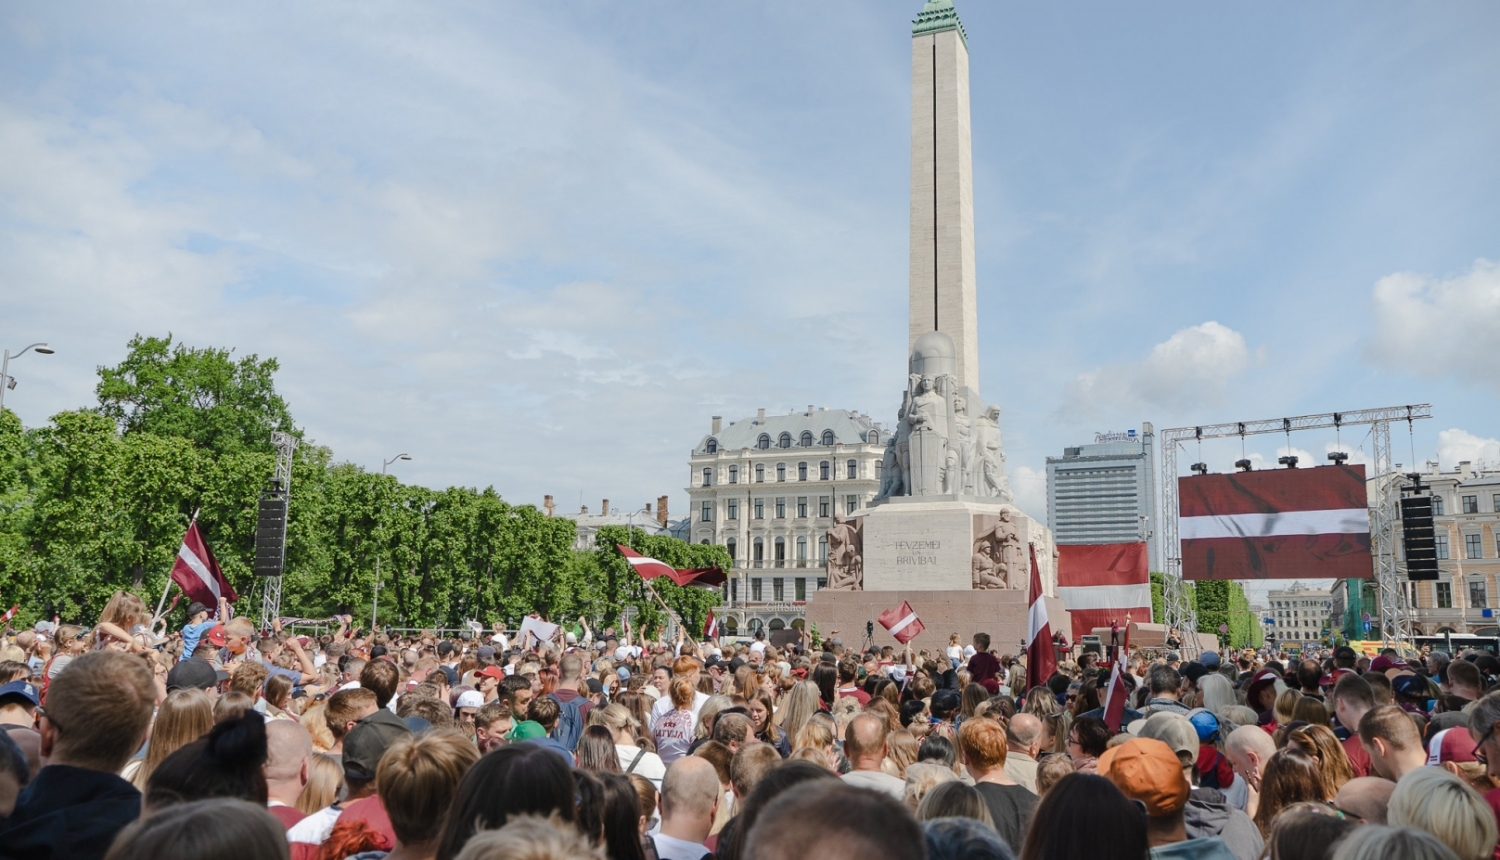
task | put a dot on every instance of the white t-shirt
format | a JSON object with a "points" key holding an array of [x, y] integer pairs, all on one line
{"points": [[673, 733], [664, 704], [955, 653], [649, 764], [877, 781], [314, 829], [757, 647]]}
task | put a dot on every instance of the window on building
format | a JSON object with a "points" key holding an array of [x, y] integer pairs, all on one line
{"points": [[758, 548], [1477, 598], [704, 542], [823, 470], [1473, 547], [822, 583], [852, 468], [778, 590], [1437, 505], [734, 474], [780, 508], [730, 546], [802, 507], [763, 442], [712, 447], [800, 594], [874, 437], [823, 503], [828, 437], [823, 549], [760, 473], [851, 504], [708, 477], [780, 550], [755, 591], [1471, 504], [801, 549], [879, 470], [732, 509], [784, 440], [1442, 545], [734, 591], [1444, 595], [760, 509], [708, 512], [801, 471], [807, 438], [781, 471]]}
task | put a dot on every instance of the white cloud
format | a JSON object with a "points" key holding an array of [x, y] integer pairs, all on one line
{"points": [[1192, 366], [1439, 326], [1455, 446], [1030, 488]]}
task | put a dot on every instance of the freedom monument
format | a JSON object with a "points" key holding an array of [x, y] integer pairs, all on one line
{"points": [[941, 533]]}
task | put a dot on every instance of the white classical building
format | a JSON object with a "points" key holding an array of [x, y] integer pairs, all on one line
{"points": [[587, 523], [767, 489], [1466, 526], [1300, 616]]}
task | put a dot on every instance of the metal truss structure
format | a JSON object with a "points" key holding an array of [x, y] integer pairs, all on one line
{"points": [[1395, 623], [286, 446]]}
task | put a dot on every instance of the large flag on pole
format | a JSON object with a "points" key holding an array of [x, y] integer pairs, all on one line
{"points": [[1041, 659], [711, 626], [902, 622], [1115, 695], [197, 572], [650, 568]]}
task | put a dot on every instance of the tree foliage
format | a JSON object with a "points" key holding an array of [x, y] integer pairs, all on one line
{"points": [[98, 500]]}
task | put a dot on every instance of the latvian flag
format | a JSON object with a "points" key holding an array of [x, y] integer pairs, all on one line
{"points": [[1100, 583], [711, 626], [902, 622], [197, 572], [650, 568], [1276, 524]]}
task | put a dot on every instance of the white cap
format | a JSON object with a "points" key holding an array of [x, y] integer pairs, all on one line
{"points": [[571, 639], [470, 699]]}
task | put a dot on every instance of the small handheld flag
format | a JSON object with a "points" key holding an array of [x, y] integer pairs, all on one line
{"points": [[902, 622]]}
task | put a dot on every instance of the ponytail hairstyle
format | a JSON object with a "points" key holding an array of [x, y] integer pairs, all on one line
{"points": [[228, 762]]}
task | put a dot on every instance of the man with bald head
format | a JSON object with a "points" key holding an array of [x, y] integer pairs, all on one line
{"points": [[1365, 798], [865, 747], [1023, 740], [690, 795], [1248, 749], [288, 746]]}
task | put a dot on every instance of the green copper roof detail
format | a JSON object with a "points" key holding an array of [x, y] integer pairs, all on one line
{"points": [[937, 16]]}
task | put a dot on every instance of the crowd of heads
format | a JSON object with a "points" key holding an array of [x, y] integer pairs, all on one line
{"points": [[217, 740]]}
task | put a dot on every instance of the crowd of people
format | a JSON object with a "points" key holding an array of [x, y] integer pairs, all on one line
{"points": [[220, 741]]}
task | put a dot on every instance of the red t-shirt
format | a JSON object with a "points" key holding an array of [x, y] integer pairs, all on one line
{"points": [[1358, 758], [372, 812], [857, 695], [287, 815]]}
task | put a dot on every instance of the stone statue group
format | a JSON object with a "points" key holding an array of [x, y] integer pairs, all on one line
{"points": [[940, 449]]}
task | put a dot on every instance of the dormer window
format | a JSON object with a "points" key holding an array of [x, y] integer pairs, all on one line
{"points": [[712, 447], [764, 442], [785, 441], [807, 438], [828, 437]]}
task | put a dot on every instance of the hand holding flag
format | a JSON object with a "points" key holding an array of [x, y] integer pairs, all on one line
{"points": [[902, 622]]}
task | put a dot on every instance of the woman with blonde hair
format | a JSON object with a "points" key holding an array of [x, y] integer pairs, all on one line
{"points": [[183, 717], [1217, 692], [633, 758], [818, 734], [1285, 707], [762, 709], [901, 753], [1433, 800], [1291, 776], [1322, 744], [1378, 842], [707, 713], [954, 800], [118, 622], [673, 730], [325, 783], [797, 706]]}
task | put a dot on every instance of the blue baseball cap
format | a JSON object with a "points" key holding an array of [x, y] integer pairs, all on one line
{"points": [[1205, 723], [24, 689]]}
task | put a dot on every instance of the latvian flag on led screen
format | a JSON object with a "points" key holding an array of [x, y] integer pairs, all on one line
{"points": [[1101, 583], [1276, 524]]}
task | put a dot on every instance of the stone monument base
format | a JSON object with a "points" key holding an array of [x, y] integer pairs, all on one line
{"points": [[1002, 613]]}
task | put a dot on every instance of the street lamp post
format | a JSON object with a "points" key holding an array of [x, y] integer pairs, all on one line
{"points": [[375, 603], [5, 381]]}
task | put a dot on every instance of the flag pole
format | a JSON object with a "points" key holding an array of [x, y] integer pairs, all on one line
{"points": [[670, 614], [168, 587]]}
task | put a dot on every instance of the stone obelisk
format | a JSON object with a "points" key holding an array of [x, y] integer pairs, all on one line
{"points": [[942, 188]]}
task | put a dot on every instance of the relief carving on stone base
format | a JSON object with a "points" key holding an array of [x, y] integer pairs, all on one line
{"points": [[998, 560], [846, 550]]}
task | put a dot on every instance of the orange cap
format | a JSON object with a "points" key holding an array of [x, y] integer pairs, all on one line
{"points": [[1147, 770]]}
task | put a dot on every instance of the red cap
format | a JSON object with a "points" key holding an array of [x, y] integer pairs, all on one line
{"points": [[1451, 745], [215, 636], [492, 672]]}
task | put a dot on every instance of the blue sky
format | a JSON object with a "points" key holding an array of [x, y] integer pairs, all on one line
{"points": [[539, 245]]}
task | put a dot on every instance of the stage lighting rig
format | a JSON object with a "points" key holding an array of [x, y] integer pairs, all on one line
{"points": [[1242, 465], [1199, 468], [1338, 457], [1289, 461]]}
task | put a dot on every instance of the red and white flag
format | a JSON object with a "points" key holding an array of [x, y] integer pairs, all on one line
{"points": [[1276, 524], [197, 572], [1102, 583], [1041, 659], [902, 622], [711, 626], [650, 568], [5, 619], [1116, 694]]}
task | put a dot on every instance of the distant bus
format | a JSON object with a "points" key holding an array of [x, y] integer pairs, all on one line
{"points": [[1453, 643]]}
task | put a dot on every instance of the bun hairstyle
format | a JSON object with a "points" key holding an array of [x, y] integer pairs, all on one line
{"points": [[227, 762]]}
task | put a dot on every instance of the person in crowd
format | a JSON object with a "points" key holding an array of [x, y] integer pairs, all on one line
{"points": [[1352, 699], [1374, 842], [1433, 800], [1164, 684], [15, 773], [865, 747], [609, 811], [1088, 738], [184, 716], [596, 751], [529, 837], [690, 798], [1074, 811], [288, 746], [1050, 769], [690, 669], [515, 780], [325, 782], [1248, 749], [364, 746], [984, 667], [227, 762], [215, 829], [98, 713], [672, 728], [1023, 741], [780, 779], [983, 745], [1307, 831], [1392, 742], [953, 800], [1207, 813], [345, 709], [963, 839], [1291, 776], [546, 714], [813, 821], [574, 706], [632, 758], [416, 783], [1365, 799], [19, 700], [1321, 743], [1148, 770]]}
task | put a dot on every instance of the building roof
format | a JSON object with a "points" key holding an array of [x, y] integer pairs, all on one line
{"points": [[849, 428]]}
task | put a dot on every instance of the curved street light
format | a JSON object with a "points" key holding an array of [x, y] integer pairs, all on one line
{"points": [[375, 603], [6, 381]]}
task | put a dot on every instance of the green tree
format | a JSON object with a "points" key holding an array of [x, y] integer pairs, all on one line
{"points": [[623, 587], [201, 395]]}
